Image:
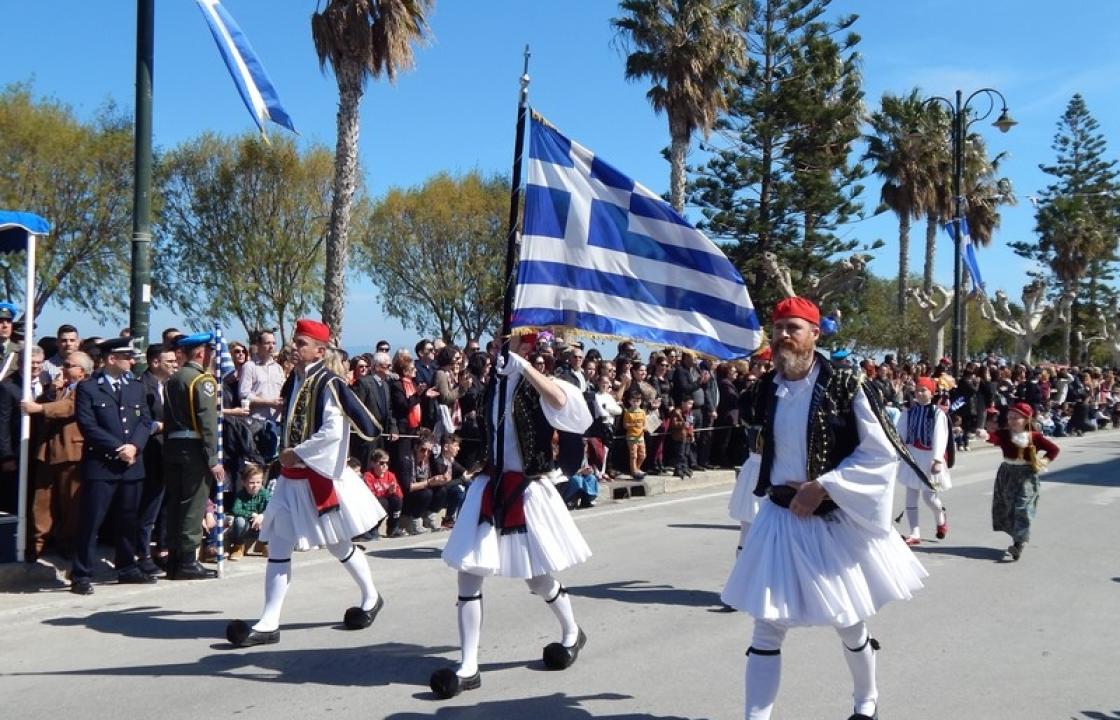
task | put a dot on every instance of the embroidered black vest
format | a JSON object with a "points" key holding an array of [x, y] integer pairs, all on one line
{"points": [[530, 427], [832, 432], [305, 417]]}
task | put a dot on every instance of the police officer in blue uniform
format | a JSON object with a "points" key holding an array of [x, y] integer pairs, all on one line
{"points": [[113, 416]]}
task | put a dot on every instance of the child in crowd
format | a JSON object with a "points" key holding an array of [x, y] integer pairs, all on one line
{"points": [[634, 426], [581, 489], [682, 430], [248, 510], [383, 484], [960, 440], [446, 464]]}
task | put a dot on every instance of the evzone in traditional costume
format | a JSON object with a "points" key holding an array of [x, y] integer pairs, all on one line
{"points": [[1015, 498], [820, 550], [318, 501], [517, 525], [924, 427]]}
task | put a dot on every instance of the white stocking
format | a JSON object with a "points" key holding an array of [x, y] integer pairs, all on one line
{"points": [[470, 622], [358, 567], [557, 598], [764, 669], [859, 652], [277, 576], [912, 512], [933, 500]]}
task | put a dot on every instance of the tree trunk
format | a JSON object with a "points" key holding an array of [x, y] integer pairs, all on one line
{"points": [[903, 264], [936, 345], [349, 76], [931, 248], [1067, 329], [678, 152]]}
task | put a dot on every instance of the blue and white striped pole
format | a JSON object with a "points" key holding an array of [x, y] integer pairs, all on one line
{"points": [[223, 365]]}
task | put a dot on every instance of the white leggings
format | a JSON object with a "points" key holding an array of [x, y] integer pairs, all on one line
{"points": [[931, 499], [764, 667]]}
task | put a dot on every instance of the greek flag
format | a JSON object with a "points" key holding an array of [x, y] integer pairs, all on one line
{"points": [[603, 255], [222, 357], [969, 253], [246, 68]]}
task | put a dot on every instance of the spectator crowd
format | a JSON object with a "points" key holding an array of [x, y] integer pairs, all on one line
{"points": [[667, 413]]}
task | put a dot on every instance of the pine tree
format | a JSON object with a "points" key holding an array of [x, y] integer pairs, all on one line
{"points": [[783, 181], [1078, 217]]}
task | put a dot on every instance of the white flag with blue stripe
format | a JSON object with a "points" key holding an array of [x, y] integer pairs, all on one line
{"points": [[604, 255], [968, 252], [223, 358], [246, 68]]}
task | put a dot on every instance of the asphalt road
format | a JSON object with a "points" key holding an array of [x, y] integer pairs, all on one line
{"points": [[1038, 639]]}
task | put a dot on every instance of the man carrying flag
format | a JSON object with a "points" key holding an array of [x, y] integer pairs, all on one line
{"points": [[517, 525], [318, 501]]}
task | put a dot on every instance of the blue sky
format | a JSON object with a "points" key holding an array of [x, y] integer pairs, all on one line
{"points": [[455, 112]]}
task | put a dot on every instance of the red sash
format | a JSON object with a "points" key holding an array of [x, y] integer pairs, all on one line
{"points": [[322, 488], [503, 503]]}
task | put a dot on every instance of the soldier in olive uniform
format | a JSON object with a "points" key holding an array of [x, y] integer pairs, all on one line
{"points": [[190, 454]]}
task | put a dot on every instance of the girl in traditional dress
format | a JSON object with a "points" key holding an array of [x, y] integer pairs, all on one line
{"points": [[1015, 499]]}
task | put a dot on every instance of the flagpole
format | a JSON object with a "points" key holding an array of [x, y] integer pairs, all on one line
{"points": [[24, 489], [510, 268]]}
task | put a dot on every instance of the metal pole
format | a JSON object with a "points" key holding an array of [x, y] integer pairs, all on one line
{"points": [[140, 296], [24, 490], [958, 170]]}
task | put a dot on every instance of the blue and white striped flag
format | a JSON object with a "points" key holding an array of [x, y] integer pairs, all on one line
{"points": [[222, 356], [969, 253], [246, 68], [604, 255]]}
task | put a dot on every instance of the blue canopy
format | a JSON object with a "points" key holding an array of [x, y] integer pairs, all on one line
{"points": [[16, 226]]}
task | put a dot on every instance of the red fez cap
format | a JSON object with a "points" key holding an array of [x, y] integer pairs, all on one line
{"points": [[1023, 409], [766, 354], [797, 307], [927, 383], [313, 329]]}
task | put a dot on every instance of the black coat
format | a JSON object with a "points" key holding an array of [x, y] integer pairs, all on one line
{"points": [[379, 402], [109, 420]]}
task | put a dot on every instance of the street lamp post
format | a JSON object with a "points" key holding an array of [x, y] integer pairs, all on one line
{"points": [[959, 124]]}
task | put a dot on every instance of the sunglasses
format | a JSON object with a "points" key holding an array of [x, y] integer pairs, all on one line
{"points": [[382, 462], [361, 366]]}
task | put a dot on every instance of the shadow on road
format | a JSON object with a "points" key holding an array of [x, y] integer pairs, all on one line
{"points": [[1101, 474], [705, 526], [645, 593], [365, 666], [557, 706], [406, 553], [971, 552], [161, 624], [1097, 715]]}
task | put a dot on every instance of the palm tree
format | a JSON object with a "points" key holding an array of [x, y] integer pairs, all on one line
{"points": [[360, 39], [902, 153], [690, 50]]}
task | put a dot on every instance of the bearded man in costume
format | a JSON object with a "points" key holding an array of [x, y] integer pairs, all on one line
{"points": [[820, 550], [318, 501], [516, 524]]}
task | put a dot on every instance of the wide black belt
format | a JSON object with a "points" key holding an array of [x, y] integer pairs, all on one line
{"points": [[782, 496]]}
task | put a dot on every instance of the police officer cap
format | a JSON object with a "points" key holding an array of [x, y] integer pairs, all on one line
{"points": [[122, 345], [8, 311], [186, 342]]}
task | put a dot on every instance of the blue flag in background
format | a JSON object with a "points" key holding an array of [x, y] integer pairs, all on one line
{"points": [[605, 256], [246, 68], [968, 251]]}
